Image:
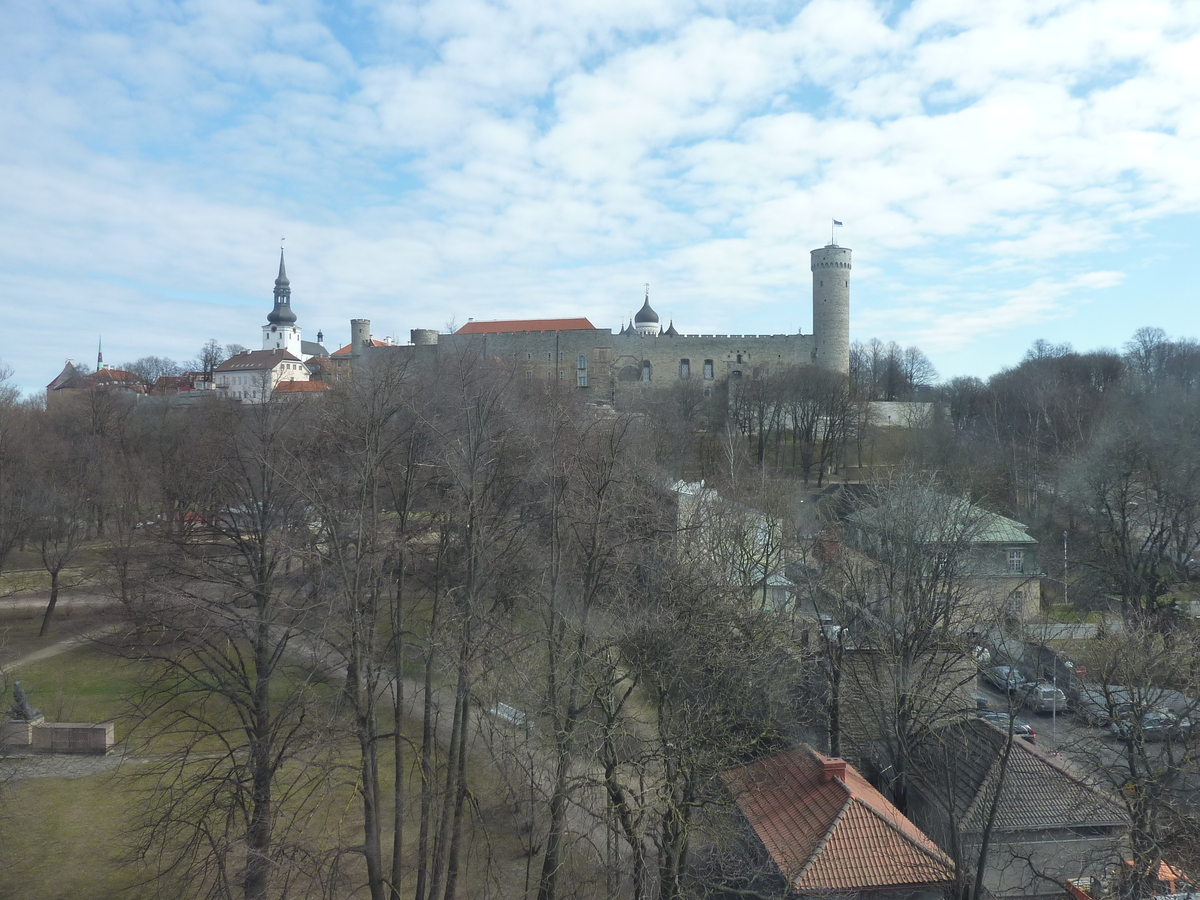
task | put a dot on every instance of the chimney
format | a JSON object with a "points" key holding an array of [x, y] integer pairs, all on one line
{"points": [[834, 768]]}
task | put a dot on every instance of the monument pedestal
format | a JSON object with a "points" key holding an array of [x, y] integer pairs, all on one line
{"points": [[18, 733]]}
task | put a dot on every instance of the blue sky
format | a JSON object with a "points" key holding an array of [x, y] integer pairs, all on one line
{"points": [[1006, 171]]}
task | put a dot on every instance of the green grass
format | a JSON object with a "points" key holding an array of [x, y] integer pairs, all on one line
{"points": [[62, 840], [84, 684], [19, 627]]}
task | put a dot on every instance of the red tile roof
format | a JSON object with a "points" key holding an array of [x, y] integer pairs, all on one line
{"points": [[373, 342], [505, 326], [833, 833]]}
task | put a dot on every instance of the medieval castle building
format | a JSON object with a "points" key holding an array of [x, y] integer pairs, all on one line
{"points": [[573, 352]]}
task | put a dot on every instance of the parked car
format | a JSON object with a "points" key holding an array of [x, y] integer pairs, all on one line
{"points": [[1020, 728], [1097, 704], [1156, 725], [1045, 698], [1005, 678]]}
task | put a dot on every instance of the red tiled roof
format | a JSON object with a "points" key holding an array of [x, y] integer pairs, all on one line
{"points": [[345, 351], [504, 326], [832, 834], [300, 387]]}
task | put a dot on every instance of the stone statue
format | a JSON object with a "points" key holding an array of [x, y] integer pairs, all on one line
{"points": [[21, 710]]}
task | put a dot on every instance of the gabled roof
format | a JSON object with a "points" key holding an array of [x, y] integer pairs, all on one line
{"points": [[505, 326], [1037, 792], [827, 829], [256, 359], [940, 515]]}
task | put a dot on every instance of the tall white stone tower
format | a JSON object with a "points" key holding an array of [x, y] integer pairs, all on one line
{"points": [[831, 307], [281, 331]]}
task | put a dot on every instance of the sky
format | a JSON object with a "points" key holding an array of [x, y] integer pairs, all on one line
{"points": [[1005, 171]]}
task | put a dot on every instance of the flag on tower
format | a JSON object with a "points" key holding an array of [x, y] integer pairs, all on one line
{"points": [[837, 223]]}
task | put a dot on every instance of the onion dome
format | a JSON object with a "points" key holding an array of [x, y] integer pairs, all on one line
{"points": [[646, 321], [646, 315], [671, 332]]}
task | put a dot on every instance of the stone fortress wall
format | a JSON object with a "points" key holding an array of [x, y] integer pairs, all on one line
{"points": [[610, 365]]}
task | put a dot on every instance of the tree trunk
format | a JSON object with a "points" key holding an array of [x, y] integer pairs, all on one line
{"points": [[50, 606]]}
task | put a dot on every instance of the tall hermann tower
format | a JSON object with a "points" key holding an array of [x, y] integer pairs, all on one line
{"points": [[831, 307], [281, 331]]}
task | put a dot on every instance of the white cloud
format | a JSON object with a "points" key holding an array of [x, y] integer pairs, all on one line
{"points": [[523, 158]]}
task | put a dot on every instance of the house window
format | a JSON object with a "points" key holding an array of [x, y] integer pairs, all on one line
{"points": [[708, 370], [685, 368], [646, 370], [1016, 561]]}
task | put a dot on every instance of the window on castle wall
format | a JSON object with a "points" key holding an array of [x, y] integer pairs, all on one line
{"points": [[560, 374], [582, 364], [645, 371], [685, 368], [528, 374], [582, 380], [708, 370]]}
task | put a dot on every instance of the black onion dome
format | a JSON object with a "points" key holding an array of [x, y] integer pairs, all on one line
{"points": [[645, 314], [671, 332]]}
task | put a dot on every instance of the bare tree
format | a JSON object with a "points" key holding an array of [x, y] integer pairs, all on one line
{"points": [[239, 715]]}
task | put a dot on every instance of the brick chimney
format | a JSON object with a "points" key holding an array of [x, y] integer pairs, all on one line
{"points": [[834, 768]]}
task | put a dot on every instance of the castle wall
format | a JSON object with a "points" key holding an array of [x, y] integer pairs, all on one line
{"points": [[614, 364]]}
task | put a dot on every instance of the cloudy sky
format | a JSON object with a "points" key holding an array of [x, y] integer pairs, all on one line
{"points": [[1005, 170]]}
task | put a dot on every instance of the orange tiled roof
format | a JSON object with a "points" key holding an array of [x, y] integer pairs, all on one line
{"points": [[373, 342], [504, 326], [833, 834]]}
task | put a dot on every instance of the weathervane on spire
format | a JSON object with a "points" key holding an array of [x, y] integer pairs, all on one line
{"points": [[647, 290]]}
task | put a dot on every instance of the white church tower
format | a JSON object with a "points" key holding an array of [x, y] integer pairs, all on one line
{"points": [[281, 331]]}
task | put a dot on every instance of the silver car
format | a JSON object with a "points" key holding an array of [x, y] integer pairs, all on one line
{"points": [[1045, 698]]}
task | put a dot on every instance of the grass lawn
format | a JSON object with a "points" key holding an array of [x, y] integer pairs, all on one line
{"points": [[19, 627], [67, 837], [62, 839], [84, 684]]}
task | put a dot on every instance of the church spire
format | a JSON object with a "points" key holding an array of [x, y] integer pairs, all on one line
{"points": [[282, 313], [99, 353]]}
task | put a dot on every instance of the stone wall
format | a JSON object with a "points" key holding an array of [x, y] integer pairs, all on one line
{"points": [[58, 737], [613, 364]]}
